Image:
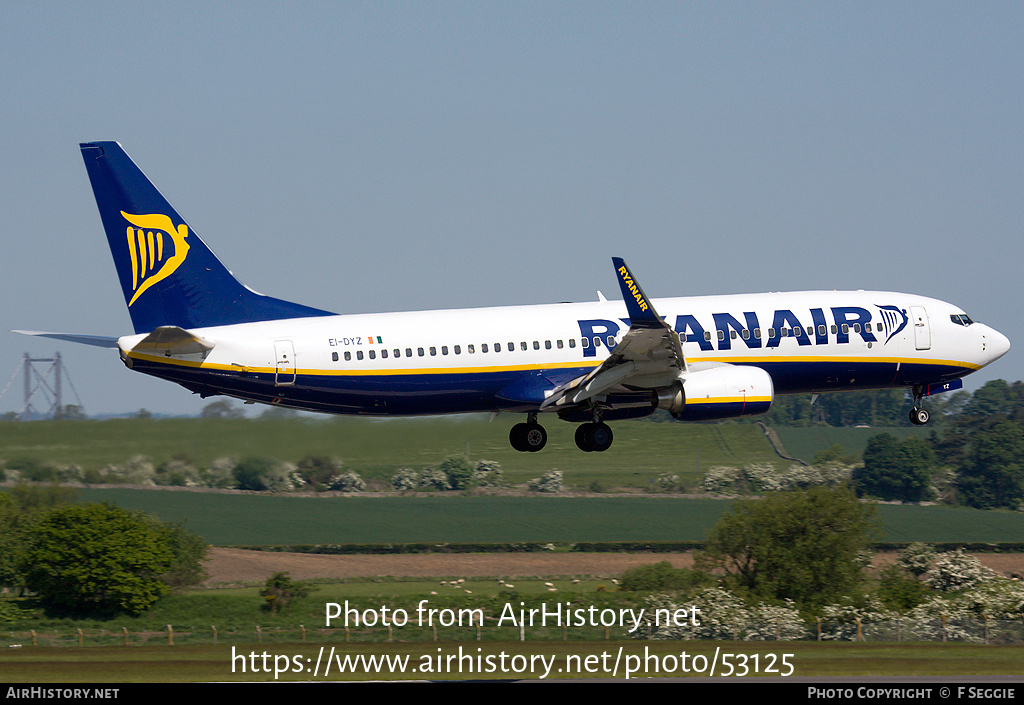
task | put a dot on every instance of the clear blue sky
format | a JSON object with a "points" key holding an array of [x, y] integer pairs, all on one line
{"points": [[374, 156]]}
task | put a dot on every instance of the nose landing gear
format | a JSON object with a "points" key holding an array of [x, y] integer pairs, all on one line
{"points": [[919, 416]]}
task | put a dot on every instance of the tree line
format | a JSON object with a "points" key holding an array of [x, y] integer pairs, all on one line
{"points": [[975, 456]]}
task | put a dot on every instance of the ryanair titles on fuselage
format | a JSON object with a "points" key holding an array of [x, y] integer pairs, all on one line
{"points": [[818, 326]]}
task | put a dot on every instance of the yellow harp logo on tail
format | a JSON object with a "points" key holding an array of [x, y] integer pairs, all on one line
{"points": [[153, 258]]}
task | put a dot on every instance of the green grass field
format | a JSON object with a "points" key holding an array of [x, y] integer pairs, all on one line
{"points": [[379, 447], [252, 519]]}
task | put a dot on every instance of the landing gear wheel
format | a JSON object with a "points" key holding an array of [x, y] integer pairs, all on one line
{"points": [[596, 437], [581, 438], [528, 437], [919, 417]]}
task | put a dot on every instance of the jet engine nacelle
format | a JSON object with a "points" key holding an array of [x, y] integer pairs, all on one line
{"points": [[720, 392]]}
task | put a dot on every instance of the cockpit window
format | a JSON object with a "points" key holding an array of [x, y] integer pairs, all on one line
{"points": [[961, 319]]}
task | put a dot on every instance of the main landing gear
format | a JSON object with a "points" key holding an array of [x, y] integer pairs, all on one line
{"points": [[919, 416], [530, 437], [594, 437]]}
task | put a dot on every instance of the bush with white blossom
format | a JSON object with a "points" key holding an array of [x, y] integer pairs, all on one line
{"points": [[956, 570], [723, 616], [348, 481], [757, 479], [549, 482]]}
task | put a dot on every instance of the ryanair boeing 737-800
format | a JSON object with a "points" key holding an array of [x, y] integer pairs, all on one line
{"points": [[703, 357]]}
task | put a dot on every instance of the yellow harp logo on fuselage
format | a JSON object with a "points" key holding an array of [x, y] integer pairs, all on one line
{"points": [[153, 259]]}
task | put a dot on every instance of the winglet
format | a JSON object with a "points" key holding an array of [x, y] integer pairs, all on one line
{"points": [[641, 312]]}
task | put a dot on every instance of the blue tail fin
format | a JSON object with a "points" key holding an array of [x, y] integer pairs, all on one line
{"points": [[169, 276]]}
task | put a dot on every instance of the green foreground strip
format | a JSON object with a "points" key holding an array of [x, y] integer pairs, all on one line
{"points": [[507, 660], [250, 519]]}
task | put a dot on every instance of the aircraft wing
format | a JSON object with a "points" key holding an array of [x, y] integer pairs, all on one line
{"points": [[648, 356]]}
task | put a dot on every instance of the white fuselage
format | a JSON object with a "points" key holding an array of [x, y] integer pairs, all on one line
{"points": [[477, 359]]}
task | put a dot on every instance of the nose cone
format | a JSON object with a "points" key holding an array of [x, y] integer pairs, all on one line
{"points": [[995, 345]]}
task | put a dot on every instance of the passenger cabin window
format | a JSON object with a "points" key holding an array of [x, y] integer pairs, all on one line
{"points": [[348, 356], [334, 356]]}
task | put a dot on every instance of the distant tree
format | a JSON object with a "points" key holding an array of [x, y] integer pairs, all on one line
{"points": [[187, 554], [69, 412], [802, 545], [317, 470], [899, 590], [97, 560], [21, 509], [280, 590], [458, 470], [221, 409], [992, 473], [278, 413], [253, 473], [895, 469], [834, 454]]}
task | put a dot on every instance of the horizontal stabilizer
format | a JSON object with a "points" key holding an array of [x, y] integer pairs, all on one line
{"points": [[100, 341]]}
